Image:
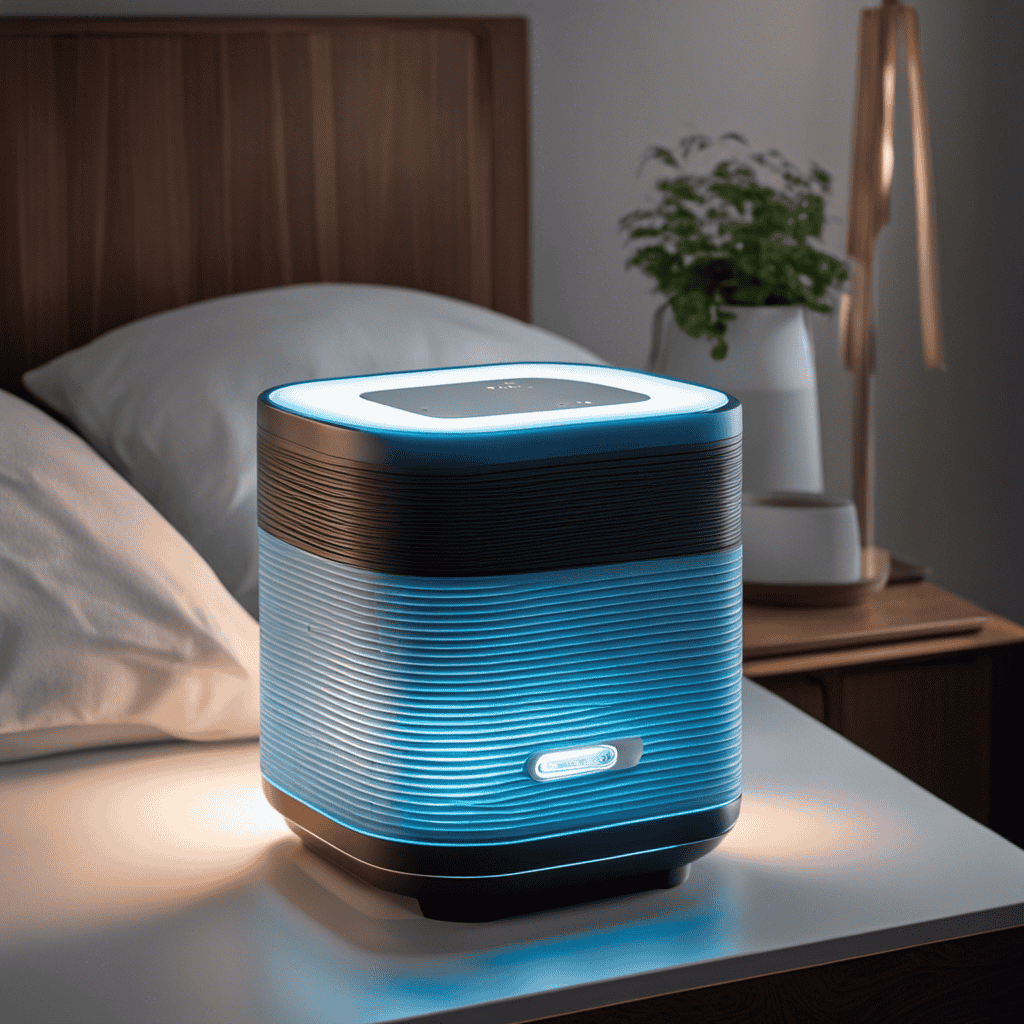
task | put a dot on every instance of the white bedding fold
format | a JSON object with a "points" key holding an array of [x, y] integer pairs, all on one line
{"points": [[112, 627]]}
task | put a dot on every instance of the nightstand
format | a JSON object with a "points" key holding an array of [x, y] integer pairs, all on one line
{"points": [[922, 679]]}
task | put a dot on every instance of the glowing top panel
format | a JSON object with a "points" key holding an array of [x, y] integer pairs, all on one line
{"points": [[485, 399], [502, 396]]}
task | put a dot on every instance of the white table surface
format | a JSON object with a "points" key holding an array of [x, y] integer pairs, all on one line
{"points": [[156, 884]]}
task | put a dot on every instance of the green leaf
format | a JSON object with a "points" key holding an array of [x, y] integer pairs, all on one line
{"points": [[731, 236], [691, 142], [680, 188], [656, 153]]}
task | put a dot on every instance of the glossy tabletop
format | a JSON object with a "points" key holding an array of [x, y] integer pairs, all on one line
{"points": [[156, 884]]}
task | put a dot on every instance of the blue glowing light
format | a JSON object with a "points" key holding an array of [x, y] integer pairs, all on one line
{"points": [[566, 764], [406, 707], [339, 401]]}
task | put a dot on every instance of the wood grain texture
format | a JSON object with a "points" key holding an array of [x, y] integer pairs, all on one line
{"points": [[149, 163], [939, 709], [973, 980], [931, 720], [907, 611], [996, 633], [924, 197], [804, 692], [1006, 782], [932, 724]]}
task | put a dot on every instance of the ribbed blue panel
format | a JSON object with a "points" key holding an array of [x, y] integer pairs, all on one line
{"points": [[407, 707]]}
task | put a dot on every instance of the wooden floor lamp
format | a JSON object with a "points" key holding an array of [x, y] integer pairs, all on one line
{"points": [[870, 186]]}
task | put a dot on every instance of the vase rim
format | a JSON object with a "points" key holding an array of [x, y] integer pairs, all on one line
{"points": [[762, 314], [789, 305]]}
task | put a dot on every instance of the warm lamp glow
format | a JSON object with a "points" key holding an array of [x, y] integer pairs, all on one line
{"points": [[227, 821], [788, 829], [134, 833]]}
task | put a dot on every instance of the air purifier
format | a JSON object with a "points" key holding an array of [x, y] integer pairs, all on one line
{"points": [[501, 625]]}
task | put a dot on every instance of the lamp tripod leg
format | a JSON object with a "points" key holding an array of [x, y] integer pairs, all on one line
{"points": [[864, 445]]}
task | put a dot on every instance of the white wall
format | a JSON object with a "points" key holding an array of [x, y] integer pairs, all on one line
{"points": [[610, 77]]}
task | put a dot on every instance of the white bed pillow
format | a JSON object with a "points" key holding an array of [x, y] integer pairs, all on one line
{"points": [[170, 400], [112, 628]]}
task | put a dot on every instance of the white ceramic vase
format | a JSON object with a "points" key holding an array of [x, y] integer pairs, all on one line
{"points": [[770, 369]]}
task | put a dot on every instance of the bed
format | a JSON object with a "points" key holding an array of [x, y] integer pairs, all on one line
{"points": [[191, 211], [153, 163], [194, 211]]}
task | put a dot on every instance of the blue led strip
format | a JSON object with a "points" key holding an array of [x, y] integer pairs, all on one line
{"points": [[407, 707]]}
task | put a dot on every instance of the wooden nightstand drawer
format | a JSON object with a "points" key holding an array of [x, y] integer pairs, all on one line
{"points": [[934, 707], [930, 720]]}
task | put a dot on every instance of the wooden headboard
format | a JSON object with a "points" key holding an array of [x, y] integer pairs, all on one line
{"points": [[149, 163]]}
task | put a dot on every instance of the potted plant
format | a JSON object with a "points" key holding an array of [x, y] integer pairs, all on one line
{"points": [[727, 238], [731, 250]]}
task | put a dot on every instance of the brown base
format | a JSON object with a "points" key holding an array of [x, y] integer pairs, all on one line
{"points": [[875, 562], [906, 572]]}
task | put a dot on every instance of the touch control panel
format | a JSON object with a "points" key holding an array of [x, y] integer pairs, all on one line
{"points": [[501, 397]]}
